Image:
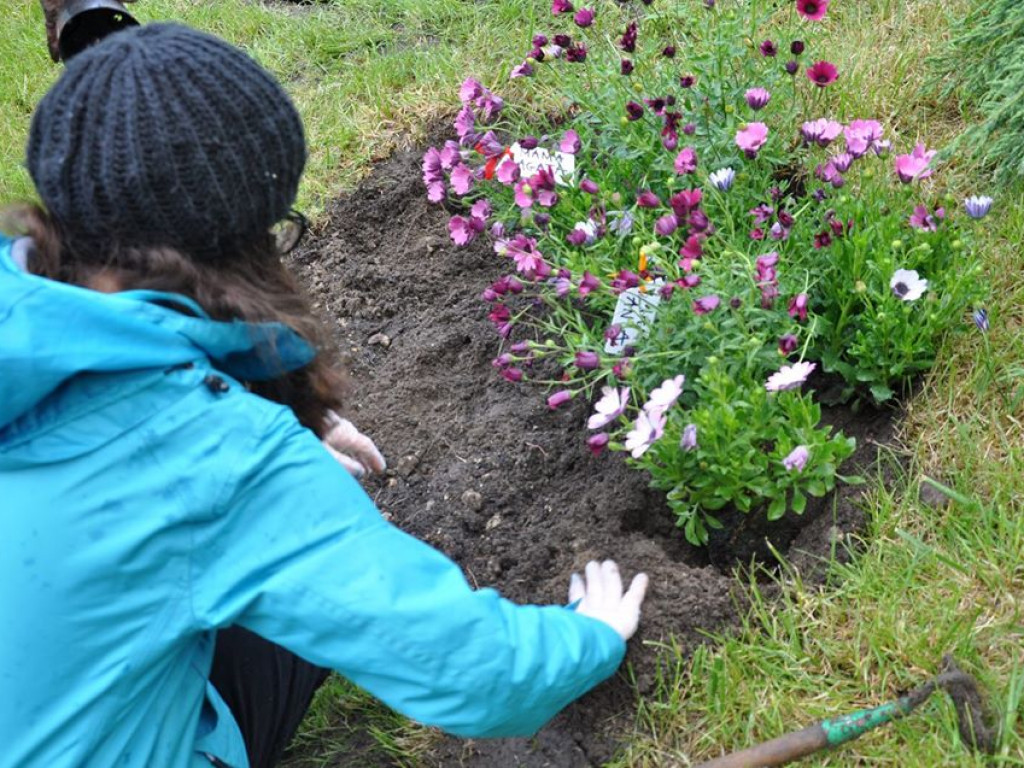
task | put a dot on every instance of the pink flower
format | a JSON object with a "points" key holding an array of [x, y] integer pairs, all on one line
{"points": [[450, 155], [812, 10], [706, 304], [789, 376], [508, 172], [686, 161], [822, 73], [481, 209], [757, 98], [597, 443], [588, 283], [584, 17], [915, 165], [751, 137], [523, 250], [821, 131], [435, 191], [559, 398], [666, 225], [862, 135], [561, 6], [612, 404], [515, 375], [649, 427], [463, 231], [464, 122], [524, 194], [570, 143], [432, 166], [586, 360], [921, 219], [461, 179], [470, 90], [798, 307], [647, 199], [797, 459], [665, 394], [521, 70]]}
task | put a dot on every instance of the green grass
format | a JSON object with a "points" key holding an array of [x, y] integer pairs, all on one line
{"points": [[370, 76]]}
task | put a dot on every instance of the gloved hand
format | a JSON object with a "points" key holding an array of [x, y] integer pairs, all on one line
{"points": [[600, 596], [351, 448]]}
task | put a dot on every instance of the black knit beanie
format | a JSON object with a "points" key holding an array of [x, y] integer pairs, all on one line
{"points": [[162, 135]]}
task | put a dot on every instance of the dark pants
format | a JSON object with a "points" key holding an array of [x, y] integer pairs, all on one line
{"points": [[267, 688]]}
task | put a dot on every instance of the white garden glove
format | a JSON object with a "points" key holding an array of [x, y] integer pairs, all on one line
{"points": [[351, 448], [600, 596]]}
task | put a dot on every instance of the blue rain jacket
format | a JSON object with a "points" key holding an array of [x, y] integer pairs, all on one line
{"points": [[140, 511]]}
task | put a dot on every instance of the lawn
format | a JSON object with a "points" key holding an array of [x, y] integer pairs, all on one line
{"points": [[937, 573]]}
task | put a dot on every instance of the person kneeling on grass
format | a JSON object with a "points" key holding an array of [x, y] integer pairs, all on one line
{"points": [[181, 560]]}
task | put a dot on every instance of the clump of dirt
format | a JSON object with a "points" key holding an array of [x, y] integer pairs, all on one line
{"points": [[483, 470]]}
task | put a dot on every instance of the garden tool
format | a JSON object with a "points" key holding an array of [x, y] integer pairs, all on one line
{"points": [[961, 687], [82, 23]]}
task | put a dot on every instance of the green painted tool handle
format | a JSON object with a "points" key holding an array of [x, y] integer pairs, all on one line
{"points": [[844, 728]]}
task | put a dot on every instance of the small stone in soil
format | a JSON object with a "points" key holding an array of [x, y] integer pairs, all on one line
{"points": [[494, 522], [473, 500], [379, 340], [407, 464]]}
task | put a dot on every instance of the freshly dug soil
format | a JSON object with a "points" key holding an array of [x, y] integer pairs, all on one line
{"points": [[481, 469]]}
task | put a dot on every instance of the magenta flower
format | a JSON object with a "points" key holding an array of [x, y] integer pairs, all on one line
{"points": [[751, 137], [628, 40], [768, 48], [757, 98], [597, 443], [508, 172], [612, 404], [862, 135], [666, 225], [464, 230], [821, 131], [465, 121], [450, 155], [789, 376], [788, 344], [685, 201], [583, 233], [435, 191], [648, 199], [584, 17], [559, 398], [570, 143], [521, 70], [796, 459], [634, 111], [523, 251], [588, 284], [461, 179], [561, 6], [812, 10], [588, 186], [514, 375], [688, 442], [576, 54], [586, 360], [626, 67], [648, 429], [669, 51], [470, 90], [822, 73], [923, 220], [915, 165], [706, 304], [686, 161], [432, 166], [798, 307]]}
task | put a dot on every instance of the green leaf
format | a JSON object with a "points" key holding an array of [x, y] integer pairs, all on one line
{"points": [[881, 392], [851, 479], [777, 508], [799, 502]]}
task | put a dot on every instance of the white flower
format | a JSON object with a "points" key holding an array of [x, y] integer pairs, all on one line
{"points": [[666, 394], [609, 407], [589, 230], [789, 376], [908, 285], [650, 425], [722, 179]]}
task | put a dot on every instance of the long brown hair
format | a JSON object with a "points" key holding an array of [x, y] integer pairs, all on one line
{"points": [[252, 284]]}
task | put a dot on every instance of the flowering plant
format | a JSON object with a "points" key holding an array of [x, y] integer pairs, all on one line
{"points": [[704, 236]]}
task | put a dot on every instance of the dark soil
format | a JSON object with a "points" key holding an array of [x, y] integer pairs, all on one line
{"points": [[481, 469]]}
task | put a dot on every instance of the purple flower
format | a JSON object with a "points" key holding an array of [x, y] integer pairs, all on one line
{"points": [[588, 284], [588, 186], [686, 161], [586, 360], [980, 317], [620, 222], [628, 40], [523, 250], [862, 135], [559, 398], [514, 375], [584, 17], [576, 54], [481, 209], [687, 81], [626, 67], [465, 122], [842, 162], [634, 111], [788, 344], [521, 70], [562, 41], [796, 47], [570, 142], [463, 231], [561, 6], [470, 90], [462, 179], [529, 142], [768, 49], [757, 98], [490, 106], [978, 206], [583, 233], [666, 225], [798, 307], [450, 155], [821, 131], [669, 51], [706, 304], [539, 41], [597, 443], [796, 459], [792, 67], [921, 219], [685, 201], [648, 199], [508, 172], [432, 166], [689, 439]]}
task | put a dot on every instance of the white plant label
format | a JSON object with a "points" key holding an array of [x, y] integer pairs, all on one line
{"points": [[634, 313], [562, 164]]}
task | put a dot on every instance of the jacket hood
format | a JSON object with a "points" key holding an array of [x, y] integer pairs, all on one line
{"points": [[51, 332]]}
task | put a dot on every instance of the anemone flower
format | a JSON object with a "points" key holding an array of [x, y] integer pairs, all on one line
{"points": [[797, 459], [908, 285], [751, 137], [978, 206], [789, 376], [915, 165], [812, 10], [612, 404], [822, 73]]}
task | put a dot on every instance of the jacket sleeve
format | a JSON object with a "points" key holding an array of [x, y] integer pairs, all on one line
{"points": [[300, 555]]}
